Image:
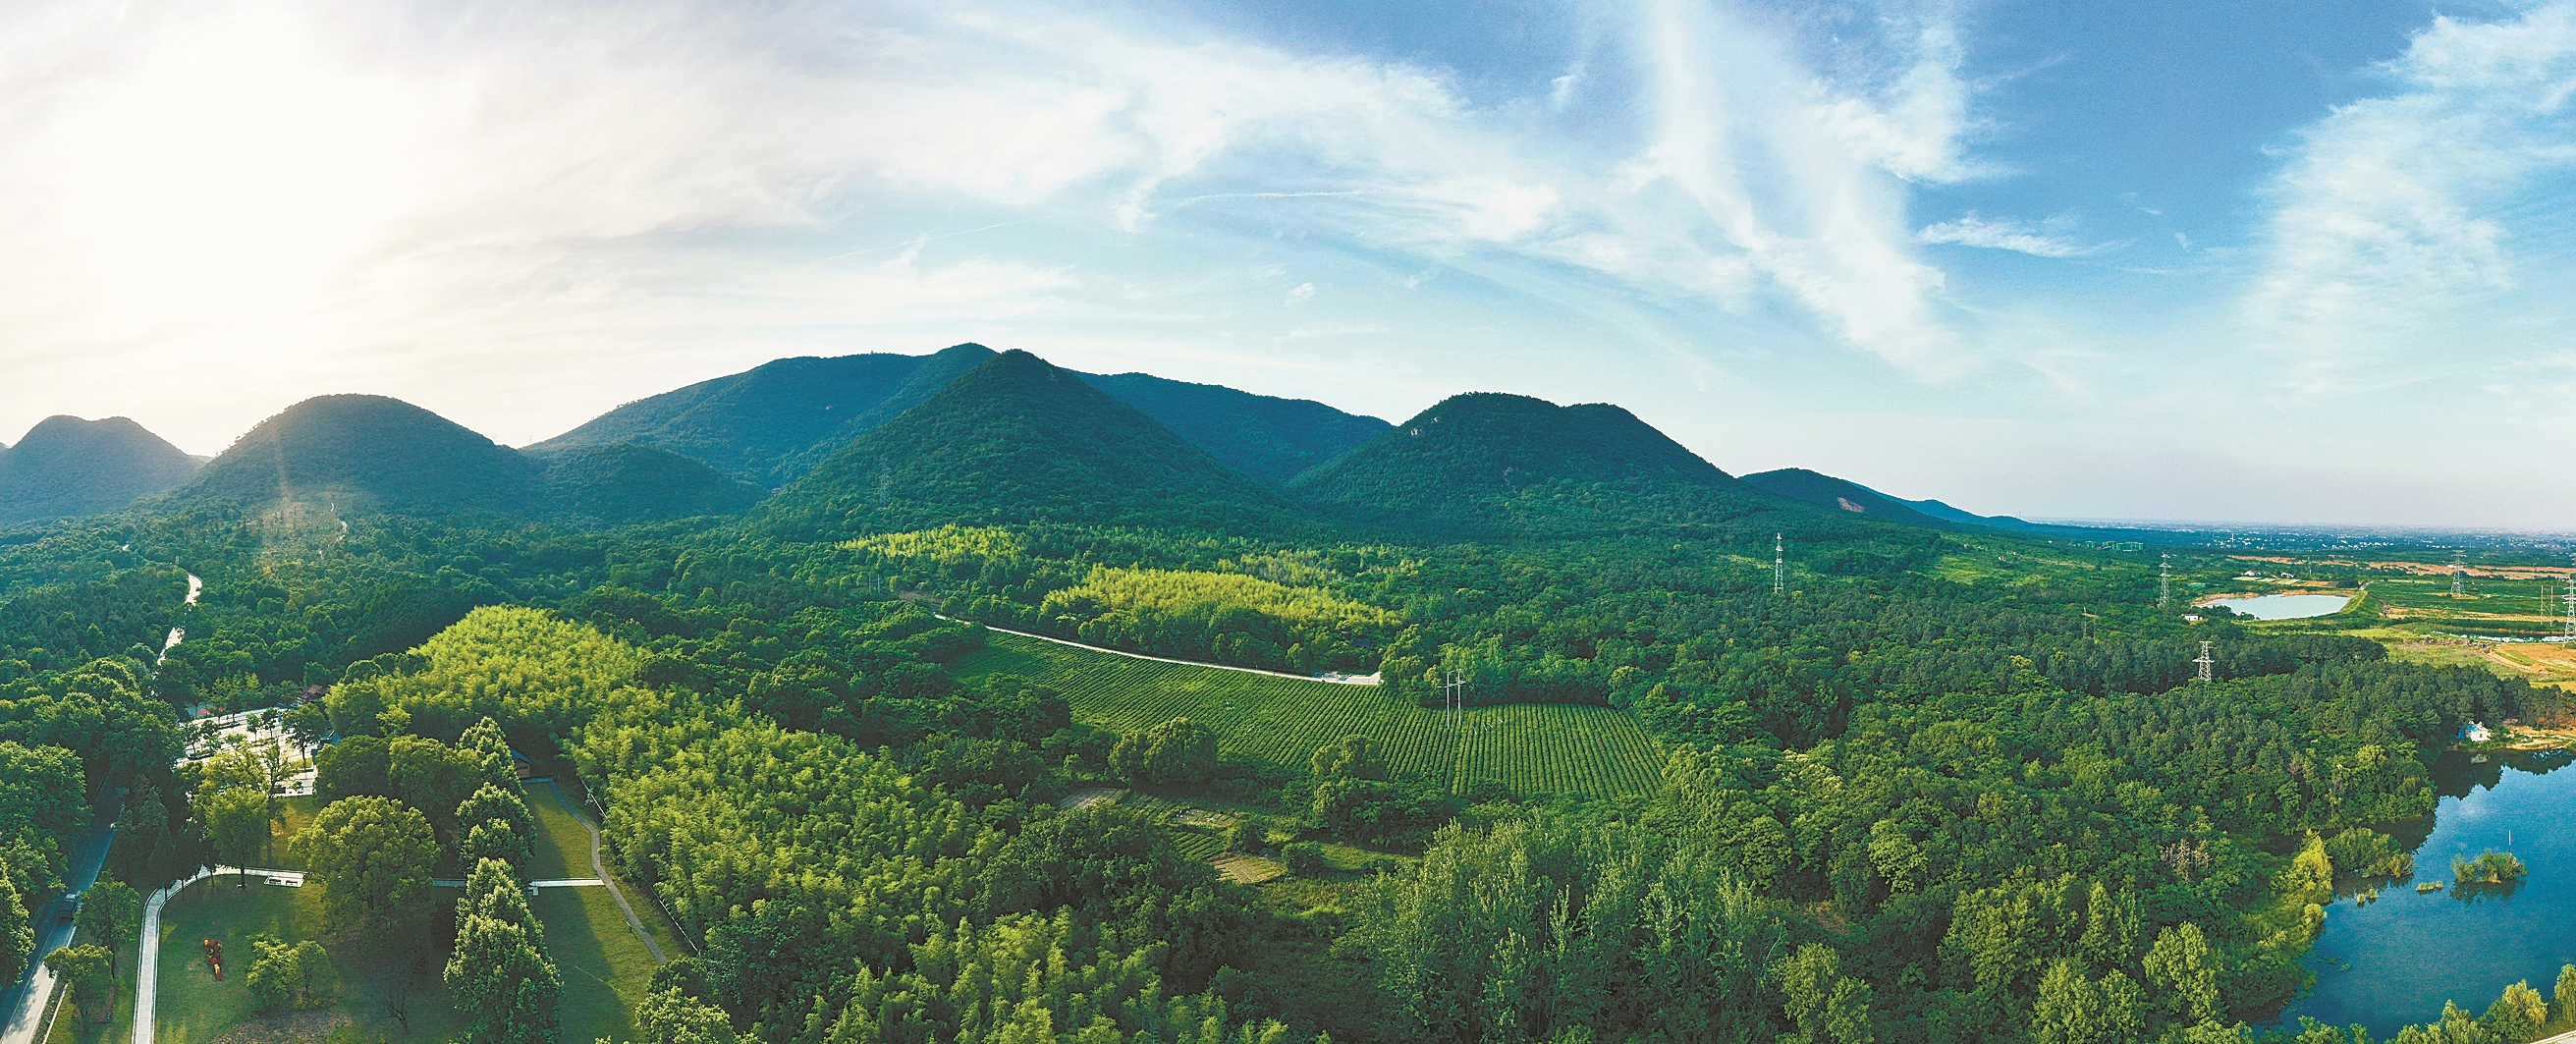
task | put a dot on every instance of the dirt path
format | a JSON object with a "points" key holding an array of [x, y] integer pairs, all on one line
{"points": [[601, 868]]}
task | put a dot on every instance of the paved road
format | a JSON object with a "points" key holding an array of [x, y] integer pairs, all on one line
{"points": [[25, 999]]}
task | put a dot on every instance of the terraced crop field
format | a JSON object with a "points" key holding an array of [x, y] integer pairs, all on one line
{"points": [[1531, 748]]}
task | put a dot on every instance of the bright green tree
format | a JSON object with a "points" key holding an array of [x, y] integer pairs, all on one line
{"points": [[299, 975], [1176, 751], [499, 973], [91, 971], [235, 820], [672, 1017], [110, 911], [2181, 968], [372, 856]]}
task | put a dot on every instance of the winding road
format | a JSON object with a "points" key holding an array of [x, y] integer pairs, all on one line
{"points": [[601, 868]]}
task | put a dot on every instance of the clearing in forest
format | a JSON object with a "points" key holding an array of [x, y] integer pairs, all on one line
{"points": [[1530, 748]]}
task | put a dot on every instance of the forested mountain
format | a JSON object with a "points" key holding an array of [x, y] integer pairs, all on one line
{"points": [[1842, 494], [1946, 513], [1267, 438], [776, 421], [1018, 440], [622, 482], [1485, 463], [371, 449], [67, 467]]}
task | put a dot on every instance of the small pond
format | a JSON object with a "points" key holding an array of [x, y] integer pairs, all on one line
{"points": [[2284, 606], [2393, 962]]}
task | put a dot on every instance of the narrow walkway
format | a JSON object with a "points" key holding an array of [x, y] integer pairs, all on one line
{"points": [[601, 868], [147, 958], [1331, 678]]}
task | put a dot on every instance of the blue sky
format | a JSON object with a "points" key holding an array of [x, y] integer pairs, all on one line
{"points": [[2287, 262]]}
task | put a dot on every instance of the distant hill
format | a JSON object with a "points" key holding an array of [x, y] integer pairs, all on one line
{"points": [[379, 450], [67, 467], [775, 421], [1946, 513], [1267, 438], [1828, 491], [1017, 439], [622, 482], [1491, 464]]}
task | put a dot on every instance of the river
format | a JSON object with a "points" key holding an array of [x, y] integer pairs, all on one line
{"points": [[2394, 962]]}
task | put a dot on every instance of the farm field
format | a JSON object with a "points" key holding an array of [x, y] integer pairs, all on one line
{"points": [[1530, 748]]}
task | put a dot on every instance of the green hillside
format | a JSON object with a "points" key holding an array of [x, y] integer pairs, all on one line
{"points": [[67, 467], [1267, 438], [1488, 464], [1018, 440], [776, 421], [623, 482], [1842, 494], [367, 447]]}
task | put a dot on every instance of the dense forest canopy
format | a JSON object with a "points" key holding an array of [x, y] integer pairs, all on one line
{"points": [[1921, 783]]}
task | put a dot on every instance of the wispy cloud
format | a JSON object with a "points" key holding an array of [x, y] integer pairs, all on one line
{"points": [[2010, 235], [2393, 215]]}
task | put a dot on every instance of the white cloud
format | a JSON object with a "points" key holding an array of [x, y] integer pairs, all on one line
{"points": [[2394, 215], [1300, 294], [2008, 235], [359, 191]]}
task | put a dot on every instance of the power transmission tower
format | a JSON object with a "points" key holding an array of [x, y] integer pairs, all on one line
{"points": [[2570, 599], [2164, 583], [2459, 574], [2205, 662], [1779, 565]]}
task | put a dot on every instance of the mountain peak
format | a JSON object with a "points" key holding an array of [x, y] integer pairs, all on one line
{"points": [[1491, 462], [67, 467], [369, 446], [1014, 440]]}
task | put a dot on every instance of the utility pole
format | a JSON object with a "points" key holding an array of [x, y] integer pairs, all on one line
{"points": [[1453, 696], [1779, 565], [2205, 662], [2164, 583]]}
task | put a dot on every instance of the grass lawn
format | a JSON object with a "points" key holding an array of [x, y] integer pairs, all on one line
{"points": [[563, 850], [604, 966], [375, 981], [299, 812]]}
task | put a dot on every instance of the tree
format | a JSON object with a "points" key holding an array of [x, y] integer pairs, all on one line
{"points": [[2181, 967], [91, 971], [299, 975], [493, 839], [109, 912], [670, 1016], [499, 972], [1826, 1006], [1348, 759], [491, 802], [1178, 751], [142, 836], [17, 935], [2068, 1009], [372, 856], [235, 820], [2519, 1014]]}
